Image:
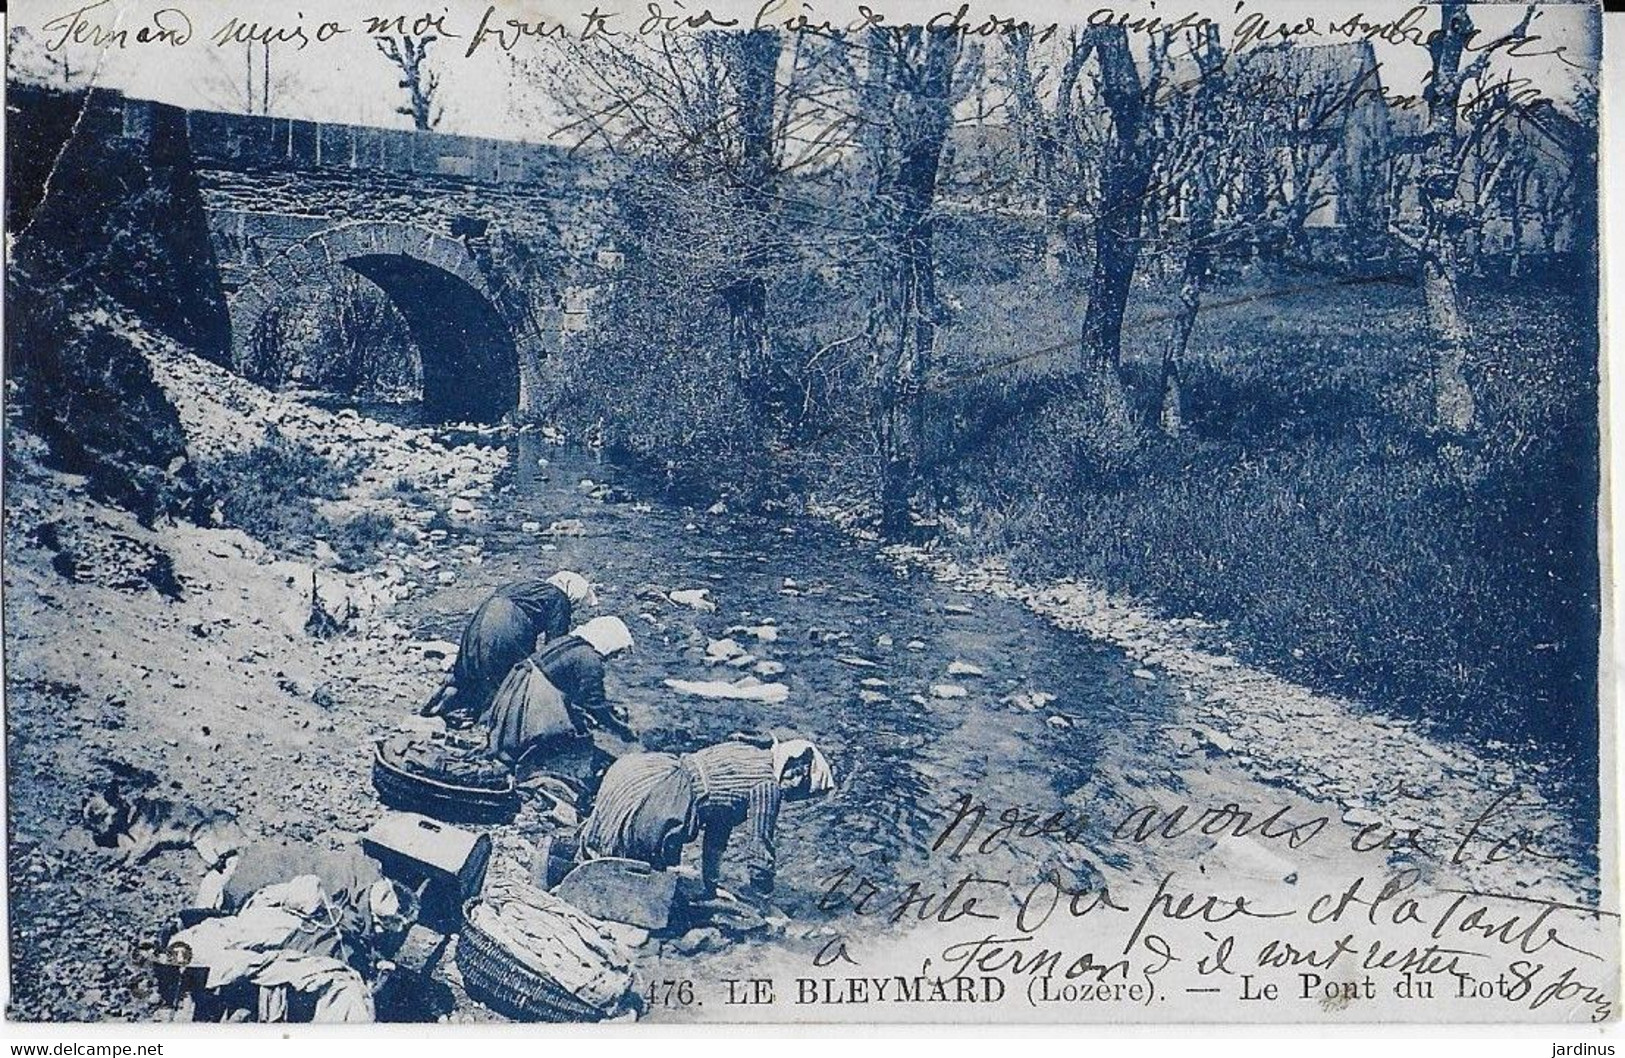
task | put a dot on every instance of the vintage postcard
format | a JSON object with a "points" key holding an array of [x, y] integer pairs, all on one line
{"points": [[805, 512]]}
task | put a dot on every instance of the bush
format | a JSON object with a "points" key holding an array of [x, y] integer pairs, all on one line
{"points": [[358, 541], [270, 491], [656, 378]]}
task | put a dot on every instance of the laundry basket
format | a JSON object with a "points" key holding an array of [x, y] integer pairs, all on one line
{"points": [[497, 977], [534, 957], [406, 790]]}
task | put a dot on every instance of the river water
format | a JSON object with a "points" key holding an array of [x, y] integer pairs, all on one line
{"points": [[902, 753]]}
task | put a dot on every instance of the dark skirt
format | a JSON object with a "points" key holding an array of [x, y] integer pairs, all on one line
{"points": [[499, 636], [527, 711]]}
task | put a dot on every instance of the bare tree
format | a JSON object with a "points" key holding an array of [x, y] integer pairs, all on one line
{"points": [[1198, 152], [1127, 160], [1500, 177], [1087, 143], [712, 123], [1225, 153], [754, 73], [1450, 138], [420, 81], [1249, 149], [1525, 167], [1060, 137], [246, 87], [1308, 99], [909, 101]]}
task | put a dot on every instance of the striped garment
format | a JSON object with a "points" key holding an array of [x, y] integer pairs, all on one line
{"points": [[649, 804], [644, 810], [737, 784]]}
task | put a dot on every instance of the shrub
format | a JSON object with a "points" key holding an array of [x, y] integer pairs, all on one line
{"points": [[270, 491], [656, 377], [359, 540]]}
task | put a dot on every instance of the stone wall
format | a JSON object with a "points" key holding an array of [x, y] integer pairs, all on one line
{"points": [[262, 202], [253, 142], [518, 222], [256, 215]]}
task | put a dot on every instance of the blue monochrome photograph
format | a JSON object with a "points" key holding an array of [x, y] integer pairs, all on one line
{"points": [[929, 512]]}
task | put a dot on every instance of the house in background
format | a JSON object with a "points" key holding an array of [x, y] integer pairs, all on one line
{"points": [[1322, 127], [1320, 160], [1533, 187], [1340, 162], [1324, 109], [1529, 185]]}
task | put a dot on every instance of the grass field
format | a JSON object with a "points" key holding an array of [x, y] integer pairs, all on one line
{"points": [[1309, 506]]}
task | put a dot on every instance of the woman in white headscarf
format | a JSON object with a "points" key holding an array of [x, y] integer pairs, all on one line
{"points": [[556, 696], [514, 621], [650, 805]]}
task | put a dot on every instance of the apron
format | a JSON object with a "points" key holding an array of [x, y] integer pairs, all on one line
{"points": [[526, 711]]}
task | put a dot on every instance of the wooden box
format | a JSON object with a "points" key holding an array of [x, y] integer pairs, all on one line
{"points": [[444, 864]]}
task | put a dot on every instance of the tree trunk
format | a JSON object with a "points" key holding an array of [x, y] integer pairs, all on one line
{"points": [[1125, 174], [1199, 231], [895, 402], [902, 326], [1172, 413], [1102, 338], [755, 76], [1519, 195], [1454, 409]]}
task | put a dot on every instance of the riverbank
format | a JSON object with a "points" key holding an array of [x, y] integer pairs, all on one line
{"points": [[182, 653], [1305, 500], [177, 658]]}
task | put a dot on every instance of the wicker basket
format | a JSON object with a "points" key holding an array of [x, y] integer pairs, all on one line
{"points": [[493, 975], [403, 790]]}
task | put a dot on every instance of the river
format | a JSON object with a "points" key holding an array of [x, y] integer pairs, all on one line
{"points": [[902, 753]]}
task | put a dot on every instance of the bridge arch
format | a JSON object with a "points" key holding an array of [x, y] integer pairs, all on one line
{"points": [[471, 355]]}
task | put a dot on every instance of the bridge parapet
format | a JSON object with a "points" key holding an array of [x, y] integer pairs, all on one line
{"points": [[256, 142]]}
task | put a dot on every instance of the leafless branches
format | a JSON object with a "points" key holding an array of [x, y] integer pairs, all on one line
{"points": [[420, 81]]}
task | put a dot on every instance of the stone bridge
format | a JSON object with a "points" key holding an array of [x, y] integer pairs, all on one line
{"points": [[480, 244]]}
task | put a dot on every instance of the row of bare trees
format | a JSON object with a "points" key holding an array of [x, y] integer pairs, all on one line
{"points": [[774, 155]]}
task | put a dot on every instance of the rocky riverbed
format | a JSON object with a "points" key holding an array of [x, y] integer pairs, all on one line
{"points": [[183, 654]]}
